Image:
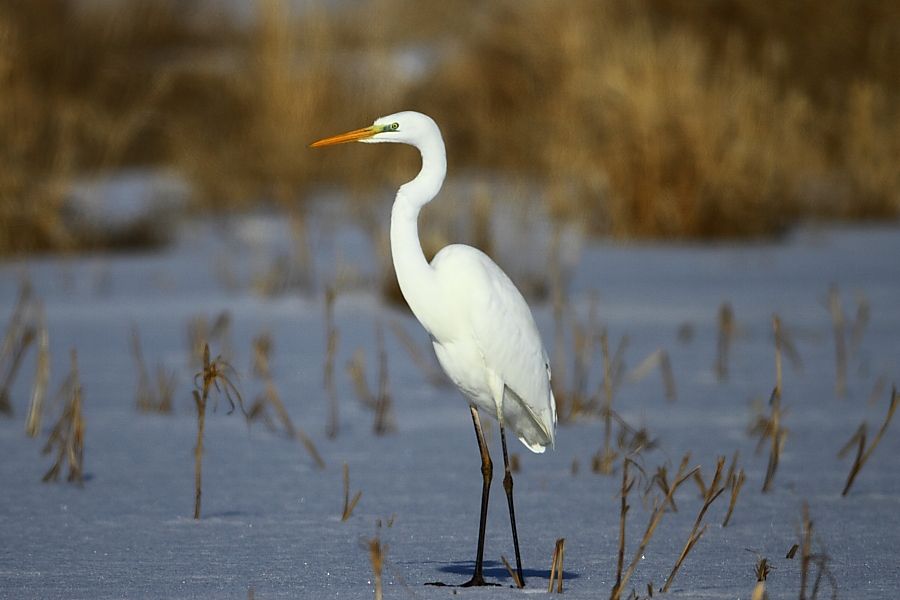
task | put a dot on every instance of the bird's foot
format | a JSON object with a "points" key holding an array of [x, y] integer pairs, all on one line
{"points": [[478, 581]]}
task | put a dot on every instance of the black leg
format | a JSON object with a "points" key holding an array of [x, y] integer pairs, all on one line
{"points": [[508, 486], [487, 471]]}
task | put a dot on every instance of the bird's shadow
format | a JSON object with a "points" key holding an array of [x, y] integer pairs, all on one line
{"points": [[494, 569]]}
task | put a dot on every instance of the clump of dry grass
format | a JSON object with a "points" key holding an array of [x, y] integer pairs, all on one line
{"points": [[68, 433], [269, 397], [656, 513], [556, 566], [654, 122], [379, 402], [27, 325], [216, 375], [808, 559], [859, 439], [19, 335], [713, 491], [152, 396]]}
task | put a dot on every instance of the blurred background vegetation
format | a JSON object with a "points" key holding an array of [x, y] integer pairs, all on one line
{"points": [[647, 118]]}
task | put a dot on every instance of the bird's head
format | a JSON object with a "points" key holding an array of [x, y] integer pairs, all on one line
{"points": [[407, 127]]}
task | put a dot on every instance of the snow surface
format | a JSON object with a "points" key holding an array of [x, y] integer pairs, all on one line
{"points": [[271, 519]]}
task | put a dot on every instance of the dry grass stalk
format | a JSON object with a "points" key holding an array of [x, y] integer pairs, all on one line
{"points": [[556, 566], [762, 573], [713, 491], [656, 514], [863, 453], [776, 326], [809, 558], [271, 397], [19, 335], [262, 354], [512, 573], [661, 480], [776, 434], [68, 433], [877, 389], [805, 549], [604, 463], [376, 557], [840, 340], [785, 341], [726, 335], [152, 396], [627, 484], [422, 359], [41, 378], [331, 429], [201, 332], [384, 421], [583, 337], [219, 375], [356, 369], [17, 321], [657, 358], [863, 315], [735, 483], [349, 504]]}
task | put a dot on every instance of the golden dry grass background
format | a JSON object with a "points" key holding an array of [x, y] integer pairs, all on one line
{"points": [[652, 118]]}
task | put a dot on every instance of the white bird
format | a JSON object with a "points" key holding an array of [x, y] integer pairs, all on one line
{"points": [[482, 330]]}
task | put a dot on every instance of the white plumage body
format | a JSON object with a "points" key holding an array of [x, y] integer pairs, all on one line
{"points": [[489, 346]]}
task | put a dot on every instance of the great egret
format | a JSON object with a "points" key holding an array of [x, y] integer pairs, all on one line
{"points": [[482, 330]]}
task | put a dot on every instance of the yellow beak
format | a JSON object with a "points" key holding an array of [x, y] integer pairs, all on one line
{"points": [[350, 136]]}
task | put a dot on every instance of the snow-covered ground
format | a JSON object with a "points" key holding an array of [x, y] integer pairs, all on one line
{"points": [[271, 520]]}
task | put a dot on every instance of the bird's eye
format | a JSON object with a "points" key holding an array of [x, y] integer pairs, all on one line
{"points": [[395, 126]]}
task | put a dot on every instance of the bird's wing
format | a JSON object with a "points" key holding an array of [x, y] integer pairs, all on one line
{"points": [[510, 344]]}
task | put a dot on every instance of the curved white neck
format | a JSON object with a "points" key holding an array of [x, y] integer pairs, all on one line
{"points": [[414, 274]]}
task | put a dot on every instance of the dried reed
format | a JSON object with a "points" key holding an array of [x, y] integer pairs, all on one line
{"points": [[262, 349], [863, 453], [658, 358], [726, 335], [376, 557], [863, 315], [604, 464], [219, 375], [19, 334], [68, 432], [512, 572], [332, 336], [840, 340], [41, 377], [735, 483], [762, 573], [556, 566], [656, 514], [349, 504], [151, 396], [713, 491]]}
